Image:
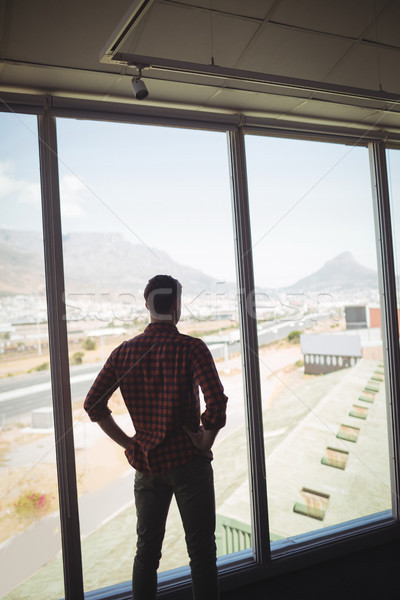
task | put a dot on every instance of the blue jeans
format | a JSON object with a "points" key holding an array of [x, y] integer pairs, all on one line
{"points": [[193, 486]]}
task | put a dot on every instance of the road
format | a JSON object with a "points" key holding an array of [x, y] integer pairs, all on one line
{"points": [[21, 394], [24, 393]]}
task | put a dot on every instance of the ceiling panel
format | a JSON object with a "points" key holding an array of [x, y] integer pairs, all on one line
{"points": [[387, 28], [61, 33], [172, 32], [340, 17], [277, 50], [256, 9], [230, 38], [370, 68]]}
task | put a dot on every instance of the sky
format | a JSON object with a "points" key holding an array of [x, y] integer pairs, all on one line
{"points": [[169, 189]]}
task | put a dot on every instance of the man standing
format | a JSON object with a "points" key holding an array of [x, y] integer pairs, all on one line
{"points": [[159, 373]]}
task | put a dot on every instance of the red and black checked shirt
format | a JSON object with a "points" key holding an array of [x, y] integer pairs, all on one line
{"points": [[159, 373]]}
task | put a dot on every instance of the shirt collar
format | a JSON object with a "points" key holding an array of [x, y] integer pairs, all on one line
{"points": [[157, 326]]}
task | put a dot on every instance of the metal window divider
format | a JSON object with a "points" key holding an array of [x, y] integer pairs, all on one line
{"points": [[59, 363], [389, 321], [249, 345]]}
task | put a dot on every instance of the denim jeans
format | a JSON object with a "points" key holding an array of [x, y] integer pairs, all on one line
{"points": [[193, 486]]}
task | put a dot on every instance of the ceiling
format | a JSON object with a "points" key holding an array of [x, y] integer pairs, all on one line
{"points": [[321, 62]]}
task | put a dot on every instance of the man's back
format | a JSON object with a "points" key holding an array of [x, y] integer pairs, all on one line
{"points": [[159, 373]]}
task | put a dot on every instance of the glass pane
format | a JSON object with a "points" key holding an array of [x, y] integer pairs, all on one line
{"points": [[137, 201], [29, 514], [318, 312], [393, 160]]}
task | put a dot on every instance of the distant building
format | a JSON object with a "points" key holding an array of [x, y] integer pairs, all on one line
{"points": [[356, 317], [362, 317], [329, 352], [374, 316]]}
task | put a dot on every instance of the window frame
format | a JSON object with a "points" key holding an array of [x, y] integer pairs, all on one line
{"points": [[250, 565]]}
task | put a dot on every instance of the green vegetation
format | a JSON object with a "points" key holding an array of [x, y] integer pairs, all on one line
{"points": [[294, 337], [76, 358], [89, 344], [42, 367], [299, 363]]}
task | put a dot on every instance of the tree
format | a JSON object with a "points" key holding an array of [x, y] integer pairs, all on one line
{"points": [[76, 358], [294, 336], [89, 344]]}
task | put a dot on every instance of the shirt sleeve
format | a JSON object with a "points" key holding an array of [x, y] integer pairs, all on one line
{"points": [[206, 376], [102, 389]]}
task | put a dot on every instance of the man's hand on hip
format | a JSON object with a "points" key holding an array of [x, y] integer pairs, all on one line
{"points": [[202, 439], [114, 431]]}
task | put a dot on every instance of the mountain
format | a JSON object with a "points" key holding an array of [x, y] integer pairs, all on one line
{"points": [[21, 262], [338, 274], [108, 263], [93, 262]]}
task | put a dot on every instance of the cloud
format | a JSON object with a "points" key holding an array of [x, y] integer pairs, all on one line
{"points": [[71, 196], [16, 189], [12, 187]]}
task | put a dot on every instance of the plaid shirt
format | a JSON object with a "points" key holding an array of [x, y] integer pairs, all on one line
{"points": [[159, 373]]}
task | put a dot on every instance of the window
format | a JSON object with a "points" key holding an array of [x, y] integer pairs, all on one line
{"points": [[393, 160], [29, 517], [159, 204], [311, 260], [305, 198]]}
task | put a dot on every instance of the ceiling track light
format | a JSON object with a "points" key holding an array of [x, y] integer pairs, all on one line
{"points": [[244, 77], [139, 87]]}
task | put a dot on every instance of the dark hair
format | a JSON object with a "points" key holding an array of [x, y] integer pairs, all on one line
{"points": [[160, 293]]}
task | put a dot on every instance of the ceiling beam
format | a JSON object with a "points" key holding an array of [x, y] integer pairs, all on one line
{"points": [[239, 75]]}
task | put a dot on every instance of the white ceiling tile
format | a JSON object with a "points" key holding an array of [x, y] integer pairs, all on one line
{"points": [[369, 68], [387, 28], [65, 33], [190, 36], [175, 32], [341, 17], [230, 38], [280, 51], [256, 9]]}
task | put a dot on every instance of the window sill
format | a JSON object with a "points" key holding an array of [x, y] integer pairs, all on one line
{"points": [[240, 568]]}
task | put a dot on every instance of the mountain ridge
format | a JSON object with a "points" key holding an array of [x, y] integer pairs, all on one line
{"points": [[90, 260], [342, 272]]}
